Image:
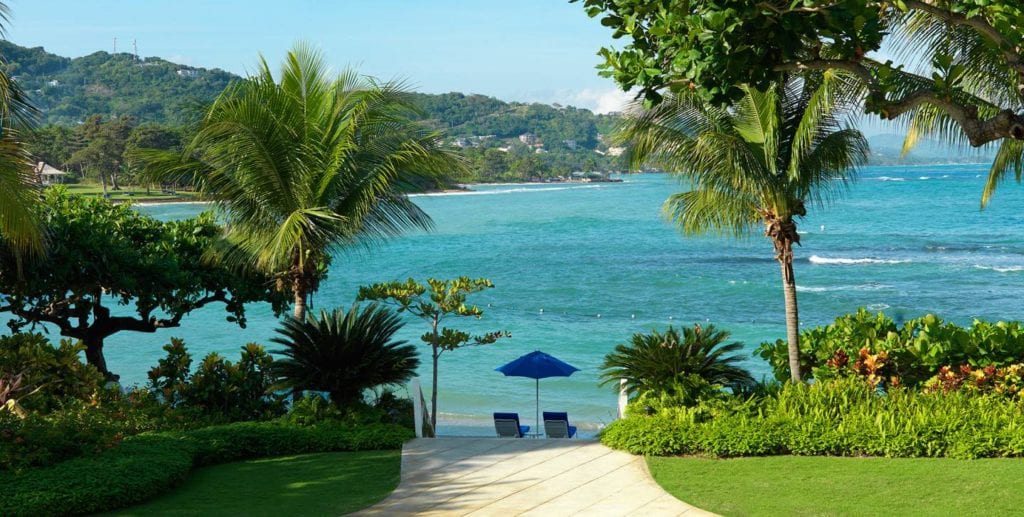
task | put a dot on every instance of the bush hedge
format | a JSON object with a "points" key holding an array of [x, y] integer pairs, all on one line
{"points": [[842, 418], [145, 465], [907, 354]]}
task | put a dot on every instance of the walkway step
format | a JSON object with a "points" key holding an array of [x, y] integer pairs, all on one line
{"points": [[492, 476]]}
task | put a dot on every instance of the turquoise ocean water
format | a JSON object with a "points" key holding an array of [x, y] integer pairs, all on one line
{"points": [[579, 268]]}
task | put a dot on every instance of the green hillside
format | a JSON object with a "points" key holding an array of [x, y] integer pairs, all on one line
{"points": [[67, 91], [504, 141]]}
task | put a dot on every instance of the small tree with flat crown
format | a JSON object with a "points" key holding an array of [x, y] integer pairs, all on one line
{"points": [[435, 302]]}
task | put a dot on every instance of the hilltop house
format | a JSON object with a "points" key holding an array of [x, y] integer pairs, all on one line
{"points": [[48, 175]]}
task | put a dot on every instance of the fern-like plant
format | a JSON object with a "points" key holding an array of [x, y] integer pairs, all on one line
{"points": [[668, 363], [344, 353]]}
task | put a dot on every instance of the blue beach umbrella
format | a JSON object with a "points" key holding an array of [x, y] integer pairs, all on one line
{"points": [[537, 365]]}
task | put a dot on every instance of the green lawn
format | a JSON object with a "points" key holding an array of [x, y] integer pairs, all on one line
{"points": [[799, 485], [129, 192], [311, 484]]}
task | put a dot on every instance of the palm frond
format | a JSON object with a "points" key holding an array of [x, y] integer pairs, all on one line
{"points": [[309, 162], [1009, 159]]}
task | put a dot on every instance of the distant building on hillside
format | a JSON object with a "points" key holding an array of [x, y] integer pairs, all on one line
{"points": [[47, 175], [185, 72], [529, 139], [616, 151]]}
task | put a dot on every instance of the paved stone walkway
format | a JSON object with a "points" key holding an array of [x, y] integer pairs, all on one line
{"points": [[492, 476]]}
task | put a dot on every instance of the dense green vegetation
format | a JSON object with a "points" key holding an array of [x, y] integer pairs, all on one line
{"points": [[952, 70], [101, 256], [149, 464], [163, 96], [67, 91], [875, 347], [928, 388], [843, 486], [311, 484], [839, 418]]}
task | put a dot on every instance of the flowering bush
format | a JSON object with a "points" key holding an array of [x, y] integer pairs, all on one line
{"points": [[907, 354], [1008, 380]]}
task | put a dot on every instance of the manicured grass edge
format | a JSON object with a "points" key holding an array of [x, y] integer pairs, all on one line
{"points": [[146, 465]]}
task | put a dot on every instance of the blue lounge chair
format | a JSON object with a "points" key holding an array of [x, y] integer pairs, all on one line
{"points": [[507, 425], [556, 425]]}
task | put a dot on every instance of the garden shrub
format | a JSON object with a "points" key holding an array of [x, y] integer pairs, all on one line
{"points": [[385, 408], [150, 463], [245, 440], [218, 389], [844, 417], [682, 362], [876, 347], [140, 468], [48, 375]]}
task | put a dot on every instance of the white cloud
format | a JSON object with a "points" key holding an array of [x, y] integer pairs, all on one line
{"points": [[601, 101], [598, 100]]}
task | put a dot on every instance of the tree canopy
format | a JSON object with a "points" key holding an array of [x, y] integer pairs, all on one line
{"points": [[953, 69], [109, 269]]}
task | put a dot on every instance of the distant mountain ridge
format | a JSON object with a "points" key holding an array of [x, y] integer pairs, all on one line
{"points": [[152, 89]]}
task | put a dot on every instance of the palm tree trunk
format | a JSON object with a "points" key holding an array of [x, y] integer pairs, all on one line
{"points": [[792, 317], [300, 305]]}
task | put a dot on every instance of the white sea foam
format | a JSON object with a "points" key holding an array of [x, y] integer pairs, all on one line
{"points": [[878, 306], [861, 287], [890, 178], [998, 269], [807, 289], [848, 261], [925, 178]]}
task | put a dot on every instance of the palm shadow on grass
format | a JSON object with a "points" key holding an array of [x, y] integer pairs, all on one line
{"points": [[309, 484]]}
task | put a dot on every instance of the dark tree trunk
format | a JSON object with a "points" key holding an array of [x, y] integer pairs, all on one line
{"points": [[94, 356]]}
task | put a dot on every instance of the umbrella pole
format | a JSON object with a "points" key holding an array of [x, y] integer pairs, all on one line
{"points": [[537, 416]]}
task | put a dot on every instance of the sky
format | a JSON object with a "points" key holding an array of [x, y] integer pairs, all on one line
{"points": [[520, 50]]}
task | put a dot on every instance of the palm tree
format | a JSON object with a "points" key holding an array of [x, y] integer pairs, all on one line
{"points": [[759, 162], [658, 362], [302, 166], [343, 353], [18, 224]]}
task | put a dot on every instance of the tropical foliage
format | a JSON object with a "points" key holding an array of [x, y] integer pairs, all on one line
{"points": [[102, 255], [667, 363], [869, 344], [841, 418], [40, 376], [344, 353], [957, 73], [218, 389], [761, 162], [306, 163], [434, 303], [19, 229]]}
